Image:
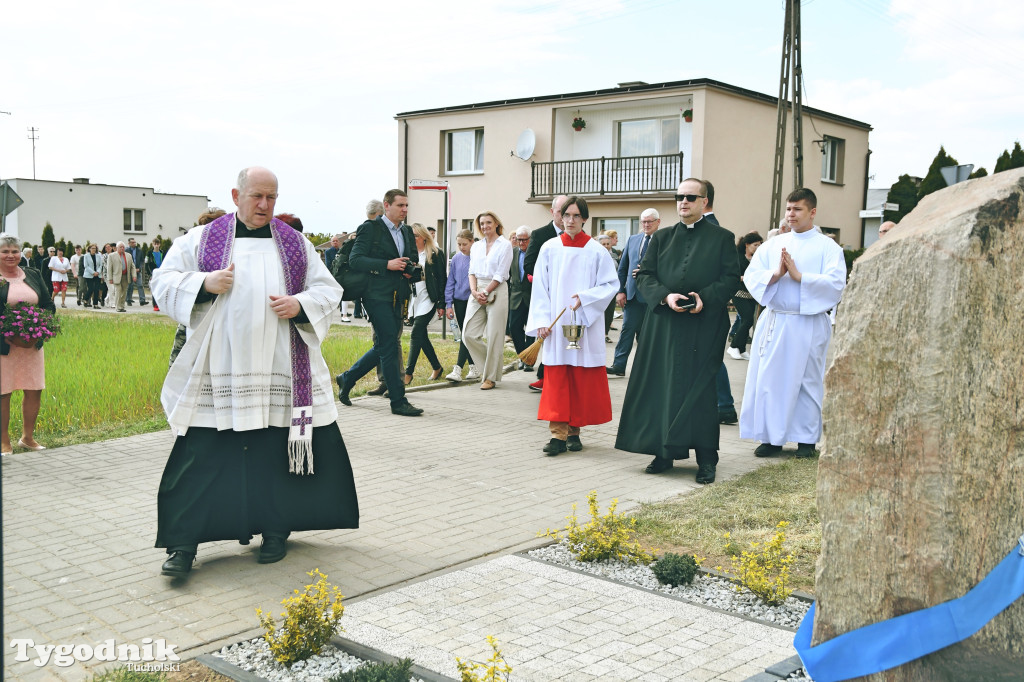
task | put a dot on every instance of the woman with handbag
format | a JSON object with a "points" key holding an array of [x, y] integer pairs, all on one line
{"points": [[21, 362], [487, 311], [427, 301]]}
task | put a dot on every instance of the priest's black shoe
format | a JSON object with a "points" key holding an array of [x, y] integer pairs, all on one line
{"points": [[658, 465], [728, 417], [573, 444], [554, 447], [406, 410], [274, 548], [380, 390], [178, 564], [767, 450], [615, 371], [343, 392], [706, 474], [804, 450]]}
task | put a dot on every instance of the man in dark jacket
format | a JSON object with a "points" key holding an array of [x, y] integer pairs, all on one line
{"points": [[383, 248], [687, 277]]}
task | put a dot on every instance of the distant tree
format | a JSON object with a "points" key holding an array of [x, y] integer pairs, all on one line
{"points": [[47, 238], [1003, 162], [65, 246], [904, 193], [980, 173], [934, 181], [1017, 156]]}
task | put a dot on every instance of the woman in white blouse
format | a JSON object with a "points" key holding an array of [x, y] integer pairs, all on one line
{"points": [[487, 311]]}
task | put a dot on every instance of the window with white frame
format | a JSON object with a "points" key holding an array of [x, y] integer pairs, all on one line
{"points": [[464, 151], [133, 220], [832, 152], [648, 137]]}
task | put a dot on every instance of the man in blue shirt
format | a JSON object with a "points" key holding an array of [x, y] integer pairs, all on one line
{"points": [[383, 248]]}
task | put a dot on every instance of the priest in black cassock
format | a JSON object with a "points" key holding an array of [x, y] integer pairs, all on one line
{"points": [[687, 277], [250, 397]]}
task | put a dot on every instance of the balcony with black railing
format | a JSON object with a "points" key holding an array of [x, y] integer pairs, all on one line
{"points": [[616, 176]]}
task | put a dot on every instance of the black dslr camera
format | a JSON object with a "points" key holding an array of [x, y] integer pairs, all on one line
{"points": [[414, 270]]}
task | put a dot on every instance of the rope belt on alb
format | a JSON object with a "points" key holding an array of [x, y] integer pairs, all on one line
{"points": [[880, 646]]}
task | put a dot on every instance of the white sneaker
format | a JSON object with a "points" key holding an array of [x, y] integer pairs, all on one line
{"points": [[745, 355], [456, 374], [734, 353], [473, 374], [346, 319]]}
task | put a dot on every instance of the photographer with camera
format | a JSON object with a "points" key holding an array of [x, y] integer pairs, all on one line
{"points": [[384, 248], [490, 260], [427, 301]]}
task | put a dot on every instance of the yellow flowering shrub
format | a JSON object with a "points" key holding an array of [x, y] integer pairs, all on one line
{"points": [[612, 536], [311, 618], [764, 570], [493, 670]]}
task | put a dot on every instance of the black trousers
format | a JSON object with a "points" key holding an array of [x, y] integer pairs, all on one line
{"points": [[420, 340], [745, 310], [460, 316], [517, 327]]}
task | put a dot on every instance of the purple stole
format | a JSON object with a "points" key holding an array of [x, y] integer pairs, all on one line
{"points": [[215, 248]]}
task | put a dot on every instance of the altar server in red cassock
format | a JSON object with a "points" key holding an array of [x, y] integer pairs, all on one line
{"points": [[573, 271]]}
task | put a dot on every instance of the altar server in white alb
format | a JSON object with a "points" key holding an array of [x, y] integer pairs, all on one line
{"points": [[798, 277], [573, 271], [249, 397]]}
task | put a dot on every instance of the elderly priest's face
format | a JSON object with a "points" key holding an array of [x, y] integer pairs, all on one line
{"points": [[256, 200]]}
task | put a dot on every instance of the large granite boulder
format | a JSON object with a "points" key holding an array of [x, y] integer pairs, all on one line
{"points": [[921, 477]]}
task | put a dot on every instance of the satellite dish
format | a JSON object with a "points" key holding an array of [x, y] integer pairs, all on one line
{"points": [[525, 145]]}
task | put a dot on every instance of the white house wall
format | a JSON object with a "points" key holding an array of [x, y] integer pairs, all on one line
{"points": [[95, 213]]}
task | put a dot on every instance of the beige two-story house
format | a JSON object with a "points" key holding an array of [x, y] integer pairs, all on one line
{"points": [[639, 140]]}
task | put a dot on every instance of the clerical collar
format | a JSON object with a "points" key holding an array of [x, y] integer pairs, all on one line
{"points": [[241, 230], [690, 227]]}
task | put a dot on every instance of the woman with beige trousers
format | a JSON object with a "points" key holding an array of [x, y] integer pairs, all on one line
{"points": [[487, 310]]}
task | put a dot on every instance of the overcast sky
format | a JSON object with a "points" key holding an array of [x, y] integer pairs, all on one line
{"points": [[181, 95]]}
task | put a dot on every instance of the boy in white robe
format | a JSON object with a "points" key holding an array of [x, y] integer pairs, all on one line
{"points": [[798, 277], [573, 271]]}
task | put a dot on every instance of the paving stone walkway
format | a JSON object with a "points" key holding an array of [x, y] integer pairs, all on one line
{"points": [[466, 481], [556, 624]]}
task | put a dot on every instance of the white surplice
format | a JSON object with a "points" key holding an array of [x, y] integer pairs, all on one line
{"points": [[785, 381], [562, 271], [234, 372]]}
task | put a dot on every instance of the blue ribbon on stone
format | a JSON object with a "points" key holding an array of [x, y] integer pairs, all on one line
{"points": [[880, 646]]}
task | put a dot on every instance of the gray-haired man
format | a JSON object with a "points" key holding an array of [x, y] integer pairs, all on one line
{"points": [[519, 290]]}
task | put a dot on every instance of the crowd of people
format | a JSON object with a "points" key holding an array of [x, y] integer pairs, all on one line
{"points": [[245, 388], [105, 276]]}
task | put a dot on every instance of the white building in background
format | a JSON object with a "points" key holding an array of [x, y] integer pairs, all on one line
{"points": [[81, 212], [871, 215]]}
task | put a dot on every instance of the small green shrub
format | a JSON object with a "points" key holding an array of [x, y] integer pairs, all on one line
{"points": [[311, 618], [765, 572], [494, 669], [612, 536], [399, 671], [676, 569]]}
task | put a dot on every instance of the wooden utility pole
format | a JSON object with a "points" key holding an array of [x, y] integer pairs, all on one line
{"points": [[789, 82]]}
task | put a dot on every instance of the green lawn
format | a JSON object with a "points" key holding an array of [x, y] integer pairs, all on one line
{"points": [[748, 508], [104, 374]]}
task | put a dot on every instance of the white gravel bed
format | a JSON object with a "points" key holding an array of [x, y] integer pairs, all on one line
{"points": [[706, 589], [254, 656]]}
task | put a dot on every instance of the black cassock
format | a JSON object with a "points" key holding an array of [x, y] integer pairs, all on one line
{"points": [[671, 403], [231, 485]]}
